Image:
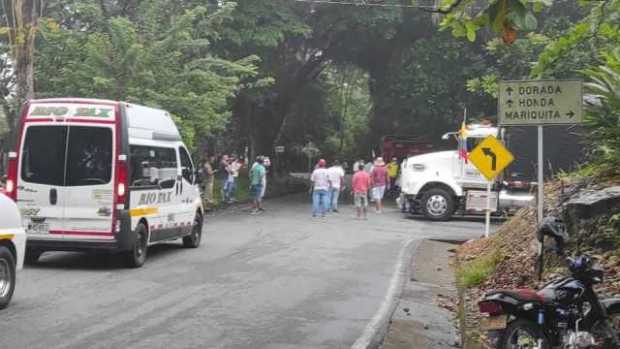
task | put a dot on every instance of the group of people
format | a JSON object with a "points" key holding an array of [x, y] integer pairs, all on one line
{"points": [[327, 183], [229, 168]]}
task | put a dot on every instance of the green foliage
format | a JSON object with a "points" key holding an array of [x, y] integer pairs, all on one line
{"points": [[465, 19], [156, 59], [603, 112], [581, 46], [475, 272]]}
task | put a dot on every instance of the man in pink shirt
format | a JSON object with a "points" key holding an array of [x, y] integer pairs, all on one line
{"points": [[360, 184], [379, 178]]}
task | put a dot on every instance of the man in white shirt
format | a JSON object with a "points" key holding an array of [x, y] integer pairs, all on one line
{"points": [[336, 178], [320, 189]]}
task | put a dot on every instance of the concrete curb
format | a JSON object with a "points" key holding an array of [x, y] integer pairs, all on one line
{"points": [[375, 331]]}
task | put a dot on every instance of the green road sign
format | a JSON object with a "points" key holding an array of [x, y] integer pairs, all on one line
{"points": [[540, 102]]}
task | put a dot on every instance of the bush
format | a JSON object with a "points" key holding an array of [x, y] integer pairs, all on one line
{"points": [[603, 113]]}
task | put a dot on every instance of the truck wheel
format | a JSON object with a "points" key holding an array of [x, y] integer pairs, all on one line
{"points": [[437, 204], [193, 240], [32, 255], [137, 255], [7, 276]]}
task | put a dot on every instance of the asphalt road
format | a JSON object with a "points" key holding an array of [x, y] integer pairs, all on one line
{"points": [[281, 279]]}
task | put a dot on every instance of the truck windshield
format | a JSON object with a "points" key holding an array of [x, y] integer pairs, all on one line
{"points": [[67, 155], [472, 143]]}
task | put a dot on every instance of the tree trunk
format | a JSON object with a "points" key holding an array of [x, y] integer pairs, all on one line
{"points": [[21, 17]]}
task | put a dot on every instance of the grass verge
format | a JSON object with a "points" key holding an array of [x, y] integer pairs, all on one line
{"points": [[475, 272]]}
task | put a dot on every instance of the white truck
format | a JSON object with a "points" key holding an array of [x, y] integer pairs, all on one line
{"points": [[441, 184]]}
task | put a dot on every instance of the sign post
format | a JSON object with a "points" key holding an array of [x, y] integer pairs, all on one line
{"points": [[541, 176], [540, 103], [490, 158]]}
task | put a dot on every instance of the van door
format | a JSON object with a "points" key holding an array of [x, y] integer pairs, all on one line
{"points": [[89, 184], [188, 190], [41, 192], [153, 187]]}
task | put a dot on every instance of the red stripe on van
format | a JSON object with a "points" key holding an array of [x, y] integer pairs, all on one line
{"points": [[39, 120], [81, 233]]}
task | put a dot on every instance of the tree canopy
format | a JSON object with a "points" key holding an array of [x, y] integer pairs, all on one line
{"points": [[248, 75]]}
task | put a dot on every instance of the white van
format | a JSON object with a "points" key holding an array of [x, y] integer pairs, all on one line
{"points": [[12, 246], [93, 174]]}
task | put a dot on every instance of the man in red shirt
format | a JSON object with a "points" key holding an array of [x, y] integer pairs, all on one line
{"points": [[360, 184], [379, 178]]}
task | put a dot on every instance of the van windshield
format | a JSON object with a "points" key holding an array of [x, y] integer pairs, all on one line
{"points": [[67, 156]]}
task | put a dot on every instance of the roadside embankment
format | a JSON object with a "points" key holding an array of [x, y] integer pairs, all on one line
{"points": [[508, 259]]}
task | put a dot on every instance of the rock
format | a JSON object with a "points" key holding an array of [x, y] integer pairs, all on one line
{"points": [[592, 203], [426, 327]]}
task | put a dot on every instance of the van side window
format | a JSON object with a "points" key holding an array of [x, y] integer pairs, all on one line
{"points": [[153, 166], [186, 165]]}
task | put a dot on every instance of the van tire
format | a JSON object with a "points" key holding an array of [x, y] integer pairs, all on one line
{"points": [[193, 240], [137, 255], [32, 255], [437, 204], [7, 276]]}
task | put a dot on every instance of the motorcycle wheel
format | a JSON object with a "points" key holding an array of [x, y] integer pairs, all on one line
{"points": [[522, 334], [608, 332]]}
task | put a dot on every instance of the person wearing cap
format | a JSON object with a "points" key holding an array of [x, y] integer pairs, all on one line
{"points": [[320, 189], [379, 179], [392, 169]]}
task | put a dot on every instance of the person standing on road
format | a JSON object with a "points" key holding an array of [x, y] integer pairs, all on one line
{"points": [[336, 178], [320, 189], [379, 178], [392, 169], [257, 177], [360, 184], [357, 164], [209, 178], [267, 165], [233, 174], [228, 185]]}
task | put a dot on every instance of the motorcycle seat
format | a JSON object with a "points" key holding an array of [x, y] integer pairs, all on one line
{"points": [[522, 295]]}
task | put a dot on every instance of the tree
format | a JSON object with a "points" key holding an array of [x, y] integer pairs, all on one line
{"points": [[20, 23], [158, 54]]}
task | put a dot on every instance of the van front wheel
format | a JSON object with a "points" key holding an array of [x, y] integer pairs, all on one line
{"points": [[7, 276], [137, 255], [193, 240]]}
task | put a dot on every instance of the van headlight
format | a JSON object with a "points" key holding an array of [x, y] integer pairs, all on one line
{"points": [[418, 167]]}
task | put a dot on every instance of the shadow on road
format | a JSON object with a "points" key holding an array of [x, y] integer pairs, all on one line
{"points": [[99, 260], [494, 220]]}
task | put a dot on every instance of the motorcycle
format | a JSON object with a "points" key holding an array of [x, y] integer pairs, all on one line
{"points": [[565, 314]]}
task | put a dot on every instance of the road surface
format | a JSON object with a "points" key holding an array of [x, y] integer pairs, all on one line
{"points": [[281, 279]]}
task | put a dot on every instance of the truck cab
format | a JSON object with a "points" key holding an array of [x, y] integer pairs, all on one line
{"points": [[440, 184]]}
